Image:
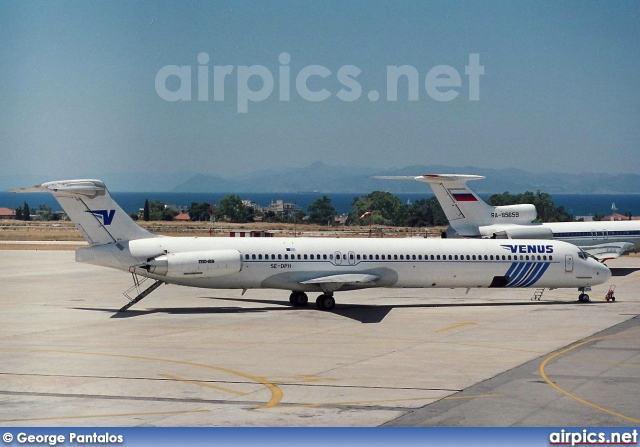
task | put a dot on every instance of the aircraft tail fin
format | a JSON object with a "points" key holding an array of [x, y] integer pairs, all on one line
{"points": [[467, 213], [464, 209], [95, 214]]}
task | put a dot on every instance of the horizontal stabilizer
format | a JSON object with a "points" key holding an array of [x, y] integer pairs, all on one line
{"points": [[432, 178], [444, 178], [84, 187], [95, 214]]}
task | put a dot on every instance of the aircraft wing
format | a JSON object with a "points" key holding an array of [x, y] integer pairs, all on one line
{"points": [[611, 250], [334, 282]]}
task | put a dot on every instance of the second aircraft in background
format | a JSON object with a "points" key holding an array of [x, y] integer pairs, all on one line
{"points": [[470, 216]]}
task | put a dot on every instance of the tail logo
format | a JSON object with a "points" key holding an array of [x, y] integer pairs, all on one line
{"points": [[465, 198], [105, 215]]}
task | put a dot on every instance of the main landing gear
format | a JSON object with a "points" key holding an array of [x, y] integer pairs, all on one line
{"points": [[323, 302], [298, 299]]}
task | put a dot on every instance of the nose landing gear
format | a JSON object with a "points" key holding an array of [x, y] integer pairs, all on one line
{"points": [[583, 297]]}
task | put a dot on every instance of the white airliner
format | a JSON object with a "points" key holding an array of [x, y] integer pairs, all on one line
{"points": [[301, 265], [470, 216]]}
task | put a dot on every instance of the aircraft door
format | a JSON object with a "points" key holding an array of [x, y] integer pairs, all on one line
{"points": [[338, 257], [568, 263], [352, 258]]}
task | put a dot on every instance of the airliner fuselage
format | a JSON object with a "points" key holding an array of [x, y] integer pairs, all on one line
{"points": [[294, 263]]}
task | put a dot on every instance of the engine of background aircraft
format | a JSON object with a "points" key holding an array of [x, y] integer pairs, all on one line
{"points": [[523, 232]]}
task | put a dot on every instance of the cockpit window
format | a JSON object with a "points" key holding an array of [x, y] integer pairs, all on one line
{"points": [[583, 254]]}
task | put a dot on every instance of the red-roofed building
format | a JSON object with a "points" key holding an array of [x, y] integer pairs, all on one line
{"points": [[6, 213], [183, 217], [616, 216]]}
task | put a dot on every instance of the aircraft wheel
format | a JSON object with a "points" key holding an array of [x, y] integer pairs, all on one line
{"points": [[298, 299], [301, 299], [583, 298], [325, 302]]}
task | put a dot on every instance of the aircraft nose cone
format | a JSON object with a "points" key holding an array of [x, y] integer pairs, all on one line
{"points": [[603, 273]]}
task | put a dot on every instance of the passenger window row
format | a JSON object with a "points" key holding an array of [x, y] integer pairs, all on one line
{"points": [[389, 257]]}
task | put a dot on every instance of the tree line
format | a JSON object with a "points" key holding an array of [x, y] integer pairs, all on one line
{"points": [[376, 208], [42, 212]]}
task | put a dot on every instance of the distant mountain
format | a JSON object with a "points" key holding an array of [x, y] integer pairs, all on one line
{"points": [[321, 177], [332, 179], [315, 177]]}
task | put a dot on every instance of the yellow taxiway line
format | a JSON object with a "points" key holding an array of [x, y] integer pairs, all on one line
{"points": [[546, 378]]}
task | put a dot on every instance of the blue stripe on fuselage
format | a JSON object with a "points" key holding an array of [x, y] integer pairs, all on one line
{"points": [[534, 278], [518, 273], [525, 274], [531, 276]]}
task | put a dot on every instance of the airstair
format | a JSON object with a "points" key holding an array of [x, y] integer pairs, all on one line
{"points": [[136, 287], [537, 294]]}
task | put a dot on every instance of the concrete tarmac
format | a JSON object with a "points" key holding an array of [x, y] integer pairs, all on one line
{"points": [[197, 357]]}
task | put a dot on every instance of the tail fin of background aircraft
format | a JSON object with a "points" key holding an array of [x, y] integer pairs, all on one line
{"points": [[95, 214], [457, 200], [464, 209]]}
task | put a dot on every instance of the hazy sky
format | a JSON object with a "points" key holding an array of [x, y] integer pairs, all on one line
{"points": [[78, 85]]}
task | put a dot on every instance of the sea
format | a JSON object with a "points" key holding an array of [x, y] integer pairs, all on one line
{"points": [[576, 204]]}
